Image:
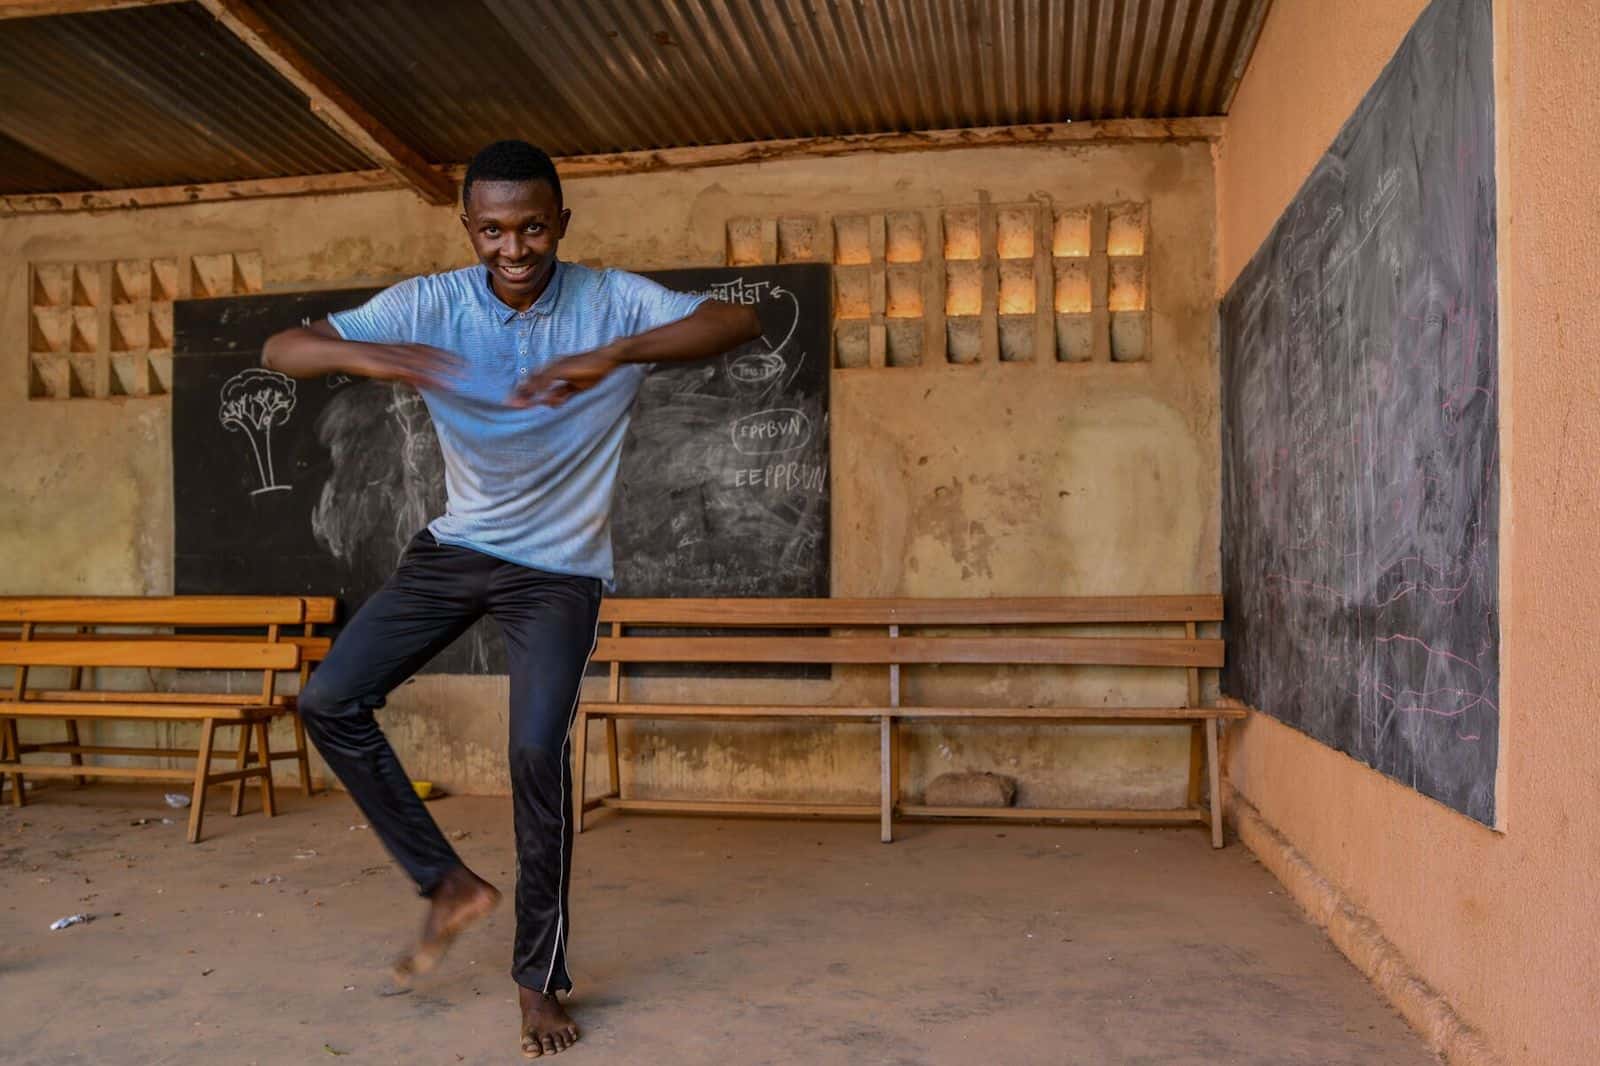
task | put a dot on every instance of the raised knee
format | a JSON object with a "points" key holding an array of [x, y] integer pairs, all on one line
{"points": [[317, 702]]}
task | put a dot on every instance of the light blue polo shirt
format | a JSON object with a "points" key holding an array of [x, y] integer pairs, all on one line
{"points": [[529, 485]]}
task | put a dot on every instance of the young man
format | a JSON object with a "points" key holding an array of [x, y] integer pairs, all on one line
{"points": [[529, 367]]}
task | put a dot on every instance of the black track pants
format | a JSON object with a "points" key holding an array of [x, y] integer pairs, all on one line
{"points": [[549, 623]]}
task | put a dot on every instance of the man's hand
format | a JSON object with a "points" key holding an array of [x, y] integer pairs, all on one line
{"points": [[417, 365], [565, 378], [316, 349], [712, 329]]}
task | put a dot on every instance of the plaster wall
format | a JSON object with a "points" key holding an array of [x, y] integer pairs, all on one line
{"points": [[1501, 924], [1004, 479]]}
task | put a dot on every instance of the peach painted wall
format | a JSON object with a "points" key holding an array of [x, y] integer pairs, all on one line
{"points": [[1505, 925]]}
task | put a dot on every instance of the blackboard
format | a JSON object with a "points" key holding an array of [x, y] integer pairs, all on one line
{"points": [[314, 486], [1360, 433]]}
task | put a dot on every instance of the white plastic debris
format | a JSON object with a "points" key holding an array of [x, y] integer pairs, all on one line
{"points": [[71, 919], [177, 799]]}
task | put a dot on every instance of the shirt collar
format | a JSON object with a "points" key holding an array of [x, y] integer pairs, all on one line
{"points": [[544, 305]]}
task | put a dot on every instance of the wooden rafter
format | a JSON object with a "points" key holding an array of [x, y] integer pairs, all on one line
{"points": [[1113, 131], [21, 9], [332, 104]]}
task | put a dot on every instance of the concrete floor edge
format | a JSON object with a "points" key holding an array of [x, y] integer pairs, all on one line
{"points": [[1360, 940]]}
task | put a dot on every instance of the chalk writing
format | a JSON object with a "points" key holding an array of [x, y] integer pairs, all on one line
{"points": [[782, 429], [784, 477]]}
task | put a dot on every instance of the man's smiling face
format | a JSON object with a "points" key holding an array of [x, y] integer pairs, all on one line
{"points": [[515, 227]]}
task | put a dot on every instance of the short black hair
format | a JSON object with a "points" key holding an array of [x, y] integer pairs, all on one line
{"points": [[511, 161]]}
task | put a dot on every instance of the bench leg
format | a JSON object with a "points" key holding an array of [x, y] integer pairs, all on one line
{"points": [[13, 753], [580, 769], [894, 765], [236, 808], [75, 758], [1197, 764], [303, 753], [1215, 768], [202, 769], [269, 798], [614, 770], [886, 783]]}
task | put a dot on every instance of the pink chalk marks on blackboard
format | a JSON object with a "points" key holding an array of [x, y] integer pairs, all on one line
{"points": [[253, 402], [1454, 688]]}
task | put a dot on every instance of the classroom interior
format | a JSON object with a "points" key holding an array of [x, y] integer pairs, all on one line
{"points": [[1026, 330]]}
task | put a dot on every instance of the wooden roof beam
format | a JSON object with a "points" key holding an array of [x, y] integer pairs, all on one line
{"points": [[1110, 131], [21, 9], [332, 104]]}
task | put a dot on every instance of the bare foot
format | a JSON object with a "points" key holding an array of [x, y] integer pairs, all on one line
{"points": [[546, 1028], [461, 899]]}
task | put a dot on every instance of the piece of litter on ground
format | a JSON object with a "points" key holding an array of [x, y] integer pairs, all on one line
{"points": [[330, 1049], [167, 821], [270, 879], [358, 825], [177, 799], [309, 853], [207, 973], [460, 834], [71, 919], [349, 988], [140, 821]]}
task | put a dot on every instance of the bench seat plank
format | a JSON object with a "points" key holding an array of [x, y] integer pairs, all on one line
{"points": [[1180, 715], [94, 697], [185, 712], [1081, 814]]}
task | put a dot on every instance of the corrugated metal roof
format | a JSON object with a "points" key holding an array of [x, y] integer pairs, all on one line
{"points": [[153, 96], [595, 76]]}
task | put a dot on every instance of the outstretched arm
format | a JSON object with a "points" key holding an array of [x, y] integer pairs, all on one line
{"points": [[712, 329], [317, 349]]}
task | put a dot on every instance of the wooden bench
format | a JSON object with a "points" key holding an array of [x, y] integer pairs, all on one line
{"points": [[175, 632], [899, 643], [189, 618]]}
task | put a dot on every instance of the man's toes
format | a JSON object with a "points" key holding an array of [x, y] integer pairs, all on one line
{"points": [[572, 1034], [549, 1042], [530, 1046], [560, 1041]]}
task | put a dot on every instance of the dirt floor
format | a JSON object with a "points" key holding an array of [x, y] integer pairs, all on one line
{"points": [[694, 941]]}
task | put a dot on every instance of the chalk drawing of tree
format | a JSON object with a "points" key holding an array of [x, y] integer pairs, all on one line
{"points": [[253, 401]]}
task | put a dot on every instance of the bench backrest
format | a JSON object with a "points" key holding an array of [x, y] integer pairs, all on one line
{"points": [[199, 611], [320, 610], [183, 625], [993, 611], [151, 654], [180, 614], [894, 615]]}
